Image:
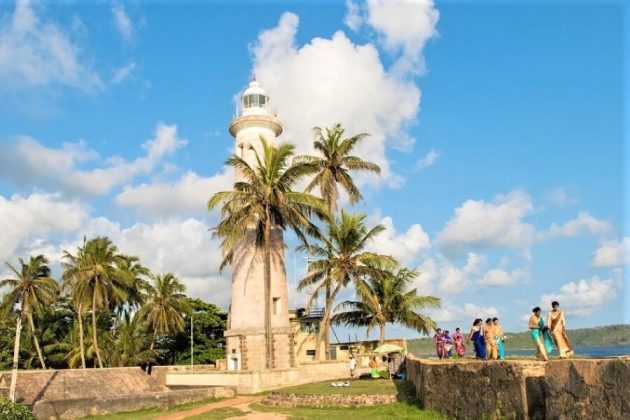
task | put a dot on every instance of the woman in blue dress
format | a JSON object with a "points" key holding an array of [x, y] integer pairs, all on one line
{"points": [[476, 335], [540, 335]]}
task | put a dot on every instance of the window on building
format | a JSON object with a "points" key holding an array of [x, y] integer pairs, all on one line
{"points": [[310, 352], [309, 327], [276, 305], [343, 347]]}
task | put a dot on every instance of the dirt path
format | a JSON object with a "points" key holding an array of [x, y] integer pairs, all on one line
{"points": [[241, 402]]}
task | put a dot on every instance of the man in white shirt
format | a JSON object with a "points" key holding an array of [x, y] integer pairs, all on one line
{"points": [[352, 364]]}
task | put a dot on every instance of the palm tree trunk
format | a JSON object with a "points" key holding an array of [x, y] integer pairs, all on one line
{"points": [[94, 331], [81, 345], [329, 302], [267, 286], [16, 358], [29, 316], [381, 339], [325, 324]]}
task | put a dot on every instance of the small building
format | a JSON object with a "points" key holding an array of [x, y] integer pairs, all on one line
{"points": [[305, 324]]}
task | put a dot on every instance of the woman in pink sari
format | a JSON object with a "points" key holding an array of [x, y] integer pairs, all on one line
{"points": [[439, 343], [458, 339]]}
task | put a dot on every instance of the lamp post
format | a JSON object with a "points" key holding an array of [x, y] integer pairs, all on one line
{"points": [[192, 340], [16, 350]]}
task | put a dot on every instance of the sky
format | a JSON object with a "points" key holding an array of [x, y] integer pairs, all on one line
{"points": [[501, 129]]}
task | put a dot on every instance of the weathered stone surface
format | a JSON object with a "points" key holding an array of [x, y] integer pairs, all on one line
{"points": [[560, 389], [288, 400]]}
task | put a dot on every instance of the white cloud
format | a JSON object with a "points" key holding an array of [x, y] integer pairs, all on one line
{"points": [[612, 254], [498, 223], [123, 72], [404, 25], [356, 88], [584, 223], [447, 277], [405, 246], [585, 296], [24, 221], [188, 194], [429, 159], [500, 277], [353, 18], [38, 53], [559, 197], [122, 22], [27, 161], [462, 314]]}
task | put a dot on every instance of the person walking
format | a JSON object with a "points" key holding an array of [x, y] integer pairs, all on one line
{"points": [[352, 365], [489, 336], [499, 337], [557, 327]]}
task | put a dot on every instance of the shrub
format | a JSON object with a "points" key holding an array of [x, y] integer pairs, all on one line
{"points": [[13, 411]]}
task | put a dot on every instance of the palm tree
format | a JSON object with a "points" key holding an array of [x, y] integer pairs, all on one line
{"points": [[334, 166], [341, 259], [261, 202], [333, 169], [165, 306], [130, 346], [34, 289], [138, 287], [388, 299], [93, 276]]}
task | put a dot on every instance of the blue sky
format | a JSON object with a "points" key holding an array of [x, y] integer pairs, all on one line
{"points": [[499, 126]]}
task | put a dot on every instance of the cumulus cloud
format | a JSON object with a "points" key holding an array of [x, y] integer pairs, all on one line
{"points": [[501, 277], [405, 246], [26, 161], [612, 254], [585, 296], [352, 87], [38, 53], [122, 22], [190, 193], [429, 159], [584, 223], [122, 73], [448, 277], [494, 224], [25, 220], [559, 197], [353, 18], [463, 314]]}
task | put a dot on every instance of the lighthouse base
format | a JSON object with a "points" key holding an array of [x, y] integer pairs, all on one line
{"points": [[246, 349]]}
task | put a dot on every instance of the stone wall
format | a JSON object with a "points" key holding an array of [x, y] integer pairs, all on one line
{"points": [[76, 408], [280, 399], [571, 389]]}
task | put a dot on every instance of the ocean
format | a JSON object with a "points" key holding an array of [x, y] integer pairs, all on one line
{"points": [[590, 352]]}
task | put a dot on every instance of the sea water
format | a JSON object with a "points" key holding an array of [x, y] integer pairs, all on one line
{"points": [[590, 352]]}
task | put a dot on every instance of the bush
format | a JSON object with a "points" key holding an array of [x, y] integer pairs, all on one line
{"points": [[13, 411]]}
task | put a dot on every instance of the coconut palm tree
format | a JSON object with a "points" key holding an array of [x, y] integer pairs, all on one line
{"points": [[34, 289], [93, 276], [261, 202], [341, 259], [137, 288], [388, 299], [130, 345], [165, 306], [334, 165]]}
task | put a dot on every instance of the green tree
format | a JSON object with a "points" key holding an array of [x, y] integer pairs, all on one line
{"points": [[137, 287], [130, 342], [93, 276], [333, 169], [33, 288], [388, 299], [261, 202], [335, 163], [341, 259], [165, 306]]}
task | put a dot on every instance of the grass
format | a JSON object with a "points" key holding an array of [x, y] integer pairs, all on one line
{"points": [[358, 386], [151, 413], [218, 414], [398, 410]]}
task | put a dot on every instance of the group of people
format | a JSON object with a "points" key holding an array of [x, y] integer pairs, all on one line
{"points": [[489, 340], [554, 333]]}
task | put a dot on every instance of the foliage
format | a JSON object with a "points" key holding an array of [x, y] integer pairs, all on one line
{"points": [[388, 299], [398, 410], [13, 411]]}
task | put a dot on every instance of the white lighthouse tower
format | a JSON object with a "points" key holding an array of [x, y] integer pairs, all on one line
{"points": [[246, 344]]}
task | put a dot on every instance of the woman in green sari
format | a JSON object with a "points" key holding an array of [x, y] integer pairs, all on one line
{"points": [[540, 335]]}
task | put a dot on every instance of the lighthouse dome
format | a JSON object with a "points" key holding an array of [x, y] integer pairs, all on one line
{"points": [[255, 100]]}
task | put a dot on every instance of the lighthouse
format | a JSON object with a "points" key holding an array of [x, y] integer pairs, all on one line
{"points": [[246, 334]]}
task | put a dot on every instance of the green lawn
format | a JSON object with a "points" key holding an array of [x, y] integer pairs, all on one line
{"points": [[151, 413], [358, 386], [390, 411]]}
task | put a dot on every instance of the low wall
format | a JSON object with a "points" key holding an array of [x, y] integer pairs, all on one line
{"points": [[568, 389], [252, 382], [75, 408], [280, 399]]}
